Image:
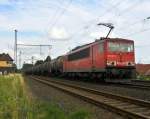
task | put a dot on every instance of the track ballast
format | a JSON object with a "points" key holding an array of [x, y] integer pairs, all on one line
{"points": [[128, 107]]}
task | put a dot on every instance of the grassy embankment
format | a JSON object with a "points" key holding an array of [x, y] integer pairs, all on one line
{"points": [[142, 77], [15, 103]]}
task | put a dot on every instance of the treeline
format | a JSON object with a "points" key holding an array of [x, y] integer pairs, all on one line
{"points": [[38, 62]]}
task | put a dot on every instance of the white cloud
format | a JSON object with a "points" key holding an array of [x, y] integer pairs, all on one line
{"points": [[40, 15], [95, 34], [58, 34], [3, 2]]}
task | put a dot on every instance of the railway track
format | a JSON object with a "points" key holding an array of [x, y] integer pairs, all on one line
{"points": [[134, 85], [143, 82], [143, 85], [125, 106]]}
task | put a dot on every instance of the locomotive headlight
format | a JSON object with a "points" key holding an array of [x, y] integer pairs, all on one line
{"points": [[130, 63], [111, 63]]}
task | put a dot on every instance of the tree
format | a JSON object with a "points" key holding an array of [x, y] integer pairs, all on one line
{"points": [[26, 65], [39, 62], [48, 59]]}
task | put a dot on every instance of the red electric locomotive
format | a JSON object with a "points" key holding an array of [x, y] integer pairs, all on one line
{"points": [[105, 59]]}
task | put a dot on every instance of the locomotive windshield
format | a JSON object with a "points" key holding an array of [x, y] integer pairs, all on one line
{"points": [[121, 47]]}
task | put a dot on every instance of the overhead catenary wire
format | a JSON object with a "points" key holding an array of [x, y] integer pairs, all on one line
{"points": [[60, 15], [137, 33], [122, 12], [96, 19], [108, 10], [140, 31], [129, 8], [53, 17], [126, 10], [111, 8], [134, 23]]}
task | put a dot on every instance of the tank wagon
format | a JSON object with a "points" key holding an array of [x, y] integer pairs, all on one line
{"points": [[108, 59]]}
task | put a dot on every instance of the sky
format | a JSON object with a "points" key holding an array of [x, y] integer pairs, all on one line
{"points": [[65, 24]]}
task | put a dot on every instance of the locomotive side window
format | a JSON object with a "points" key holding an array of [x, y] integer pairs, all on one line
{"points": [[79, 55], [101, 47]]}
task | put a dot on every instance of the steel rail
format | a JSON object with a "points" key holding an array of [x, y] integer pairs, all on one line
{"points": [[128, 107], [134, 85], [145, 82], [115, 96]]}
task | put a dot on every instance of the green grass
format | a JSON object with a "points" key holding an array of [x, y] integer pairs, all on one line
{"points": [[142, 77], [15, 103]]}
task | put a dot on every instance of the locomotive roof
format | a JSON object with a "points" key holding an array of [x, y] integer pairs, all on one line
{"points": [[101, 40], [119, 39]]}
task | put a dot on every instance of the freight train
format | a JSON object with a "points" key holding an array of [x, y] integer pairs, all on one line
{"points": [[106, 59]]}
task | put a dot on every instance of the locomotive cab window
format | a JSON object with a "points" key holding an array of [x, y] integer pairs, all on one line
{"points": [[121, 47], [79, 55]]}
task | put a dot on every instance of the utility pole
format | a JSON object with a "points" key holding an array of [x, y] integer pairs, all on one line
{"points": [[32, 60], [20, 53], [40, 50], [15, 48]]}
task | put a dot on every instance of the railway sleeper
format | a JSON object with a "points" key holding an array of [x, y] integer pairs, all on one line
{"points": [[100, 102], [146, 113], [138, 110]]}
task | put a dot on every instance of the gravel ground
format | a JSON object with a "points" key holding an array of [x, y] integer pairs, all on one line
{"points": [[67, 102], [141, 82], [131, 92]]}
